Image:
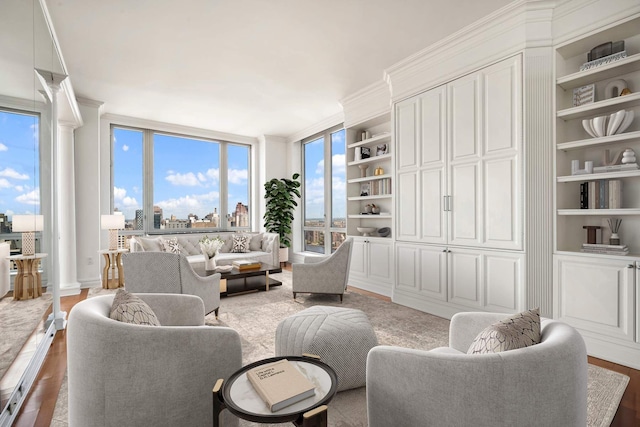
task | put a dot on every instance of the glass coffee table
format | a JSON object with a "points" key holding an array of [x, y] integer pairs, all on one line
{"points": [[237, 281], [238, 396]]}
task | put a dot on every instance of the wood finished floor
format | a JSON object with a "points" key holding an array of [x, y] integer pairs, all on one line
{"points": [[37, 411]]}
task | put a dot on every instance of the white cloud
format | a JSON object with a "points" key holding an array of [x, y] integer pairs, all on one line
{"points": [[320, 167], [182, 206], [338, 164], [129, 202], [125, 147], [213, 174], [3, 147], [31, 198], [119, 193], [238, 176], [4, 183], [202, 177], [19, 188], [122, 200], [188, 179], [11, 173]]}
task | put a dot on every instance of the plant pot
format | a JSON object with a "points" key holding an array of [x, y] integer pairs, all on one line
{"points": [[210, 264], [284, 254]]}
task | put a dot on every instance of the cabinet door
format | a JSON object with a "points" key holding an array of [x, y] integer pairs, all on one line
{"points": [[595, 295], [408, 215], [503, 281], [501, 154], [380, 261], [432, 216], [464, 225], [358, 265], [465, 286], [407, 134], [422, 270], [637, 285]]}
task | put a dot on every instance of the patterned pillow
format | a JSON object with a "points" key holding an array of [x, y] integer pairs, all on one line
{"points": [[517, 331], [172, 246], [240, 243], [129, 308]]}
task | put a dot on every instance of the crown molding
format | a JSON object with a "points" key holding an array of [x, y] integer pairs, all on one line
{"points": [[519, 25], [89, 102], [367, 103], [324, 124], [22, 104]]}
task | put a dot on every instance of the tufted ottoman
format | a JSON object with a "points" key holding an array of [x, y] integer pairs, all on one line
{"points": [[342, 337]]}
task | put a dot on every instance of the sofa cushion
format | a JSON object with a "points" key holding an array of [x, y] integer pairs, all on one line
{"points": [[517, 331], [240, 243], [255, 243], [172, 246], [128, 308], [151, 244]]}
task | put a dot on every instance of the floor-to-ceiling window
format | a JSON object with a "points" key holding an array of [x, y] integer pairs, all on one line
{"points": [[324, 195], [178, 183]]}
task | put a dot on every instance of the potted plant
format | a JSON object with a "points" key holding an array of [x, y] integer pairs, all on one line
{"points": [[280, 195]]}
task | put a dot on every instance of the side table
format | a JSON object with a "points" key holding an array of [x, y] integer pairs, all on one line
{"points": [[112, 261], [28, 283], [238, 396]]}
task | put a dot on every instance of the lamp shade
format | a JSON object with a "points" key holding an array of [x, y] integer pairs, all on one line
{"points": [[112, 222], [27, 223]]}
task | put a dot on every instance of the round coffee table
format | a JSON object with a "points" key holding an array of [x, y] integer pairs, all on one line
{"points": [[240, 398]]}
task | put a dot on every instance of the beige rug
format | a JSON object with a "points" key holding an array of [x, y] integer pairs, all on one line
{"points": [[255, 317]]}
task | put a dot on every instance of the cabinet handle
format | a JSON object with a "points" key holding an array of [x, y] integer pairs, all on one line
{"points": [[630, 266]]}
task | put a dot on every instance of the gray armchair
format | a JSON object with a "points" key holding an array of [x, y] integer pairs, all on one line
{"points": [[162, 272], [122, 374], [323, 275], [541, 385]]}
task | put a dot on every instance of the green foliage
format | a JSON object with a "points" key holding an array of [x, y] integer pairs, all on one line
{"points": [[280, 195]]}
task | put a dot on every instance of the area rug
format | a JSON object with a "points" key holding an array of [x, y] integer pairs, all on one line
{"points": [[18, 319], [256, 315]]}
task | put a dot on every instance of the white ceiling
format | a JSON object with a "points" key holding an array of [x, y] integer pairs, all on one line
{"points": [[247, 67]]}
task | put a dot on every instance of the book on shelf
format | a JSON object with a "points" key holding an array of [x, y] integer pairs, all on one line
{"points": [[601, 194], [280, 384], [603, 246], [616, 168], [246, 264], [598, 248], [604, 251]]}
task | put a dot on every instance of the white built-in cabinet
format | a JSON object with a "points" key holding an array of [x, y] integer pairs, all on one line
{"points": [[372, 264], [459, 194], [598, 293]]}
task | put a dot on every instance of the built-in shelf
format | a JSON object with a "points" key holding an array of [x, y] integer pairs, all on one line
{"points": [[588, 254], [599, 212], [376, 196], [599, 107], [596, 176], [370, 160], [574, 145], [614, 69], [377, 138], [372, 216], [371, 178]]}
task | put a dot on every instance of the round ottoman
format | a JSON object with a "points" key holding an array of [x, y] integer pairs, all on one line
{"points": [[342, 337]]}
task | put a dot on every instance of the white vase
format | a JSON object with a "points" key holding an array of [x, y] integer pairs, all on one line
{"points": [[210, 263]]}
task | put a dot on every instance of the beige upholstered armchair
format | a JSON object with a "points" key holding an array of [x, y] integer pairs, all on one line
{"points": [[5, 280], [323, 275], [121, 374], [162, 272], [541, 385]]}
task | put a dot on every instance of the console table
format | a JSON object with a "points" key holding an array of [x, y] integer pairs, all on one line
{"points": [[28, 283]]}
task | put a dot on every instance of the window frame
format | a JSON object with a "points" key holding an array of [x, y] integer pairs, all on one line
{"points": [[148, 179], [328, 228]]}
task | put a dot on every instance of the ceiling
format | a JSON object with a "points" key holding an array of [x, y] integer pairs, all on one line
{"points": [[248, 67]]}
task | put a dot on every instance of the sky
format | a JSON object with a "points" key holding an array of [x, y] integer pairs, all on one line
{"points": [[19, 164]]}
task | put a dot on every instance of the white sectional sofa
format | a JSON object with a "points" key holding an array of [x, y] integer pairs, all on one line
{"points": [[264, 247]]}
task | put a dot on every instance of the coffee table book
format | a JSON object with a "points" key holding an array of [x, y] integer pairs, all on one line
{"points": [[280, 384], [245, 264]]}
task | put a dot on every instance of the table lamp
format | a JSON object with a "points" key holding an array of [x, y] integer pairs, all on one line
{"points": [[113, 223], [28, 225]]}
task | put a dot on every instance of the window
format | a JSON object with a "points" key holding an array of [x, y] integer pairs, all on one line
{"points": [[324, 191], [19, 172], [178, 183]]}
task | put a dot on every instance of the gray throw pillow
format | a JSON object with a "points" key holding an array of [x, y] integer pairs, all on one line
{"points": [[129, 308], [151, 244], [517, 331], [255, 244]]}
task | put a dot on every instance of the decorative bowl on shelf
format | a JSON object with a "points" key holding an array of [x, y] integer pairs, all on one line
{"points": [[366, 231], [612, 124], [384, 231]]}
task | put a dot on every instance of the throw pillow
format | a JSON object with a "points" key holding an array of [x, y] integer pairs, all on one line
{"points": [[256, 242], [517, 331], [228, 244], [151, 244], [129, 308], [240, 243], [172, 246]]}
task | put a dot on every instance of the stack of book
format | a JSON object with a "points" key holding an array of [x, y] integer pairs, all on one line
{"points": [[601, 194], [596, 248], [246, 264]]}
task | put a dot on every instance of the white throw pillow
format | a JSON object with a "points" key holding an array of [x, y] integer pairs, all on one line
{"points": [[172, 246]]}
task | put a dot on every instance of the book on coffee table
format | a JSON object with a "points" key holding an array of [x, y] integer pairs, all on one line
{"points": [[280, 384], [246, 264]]}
